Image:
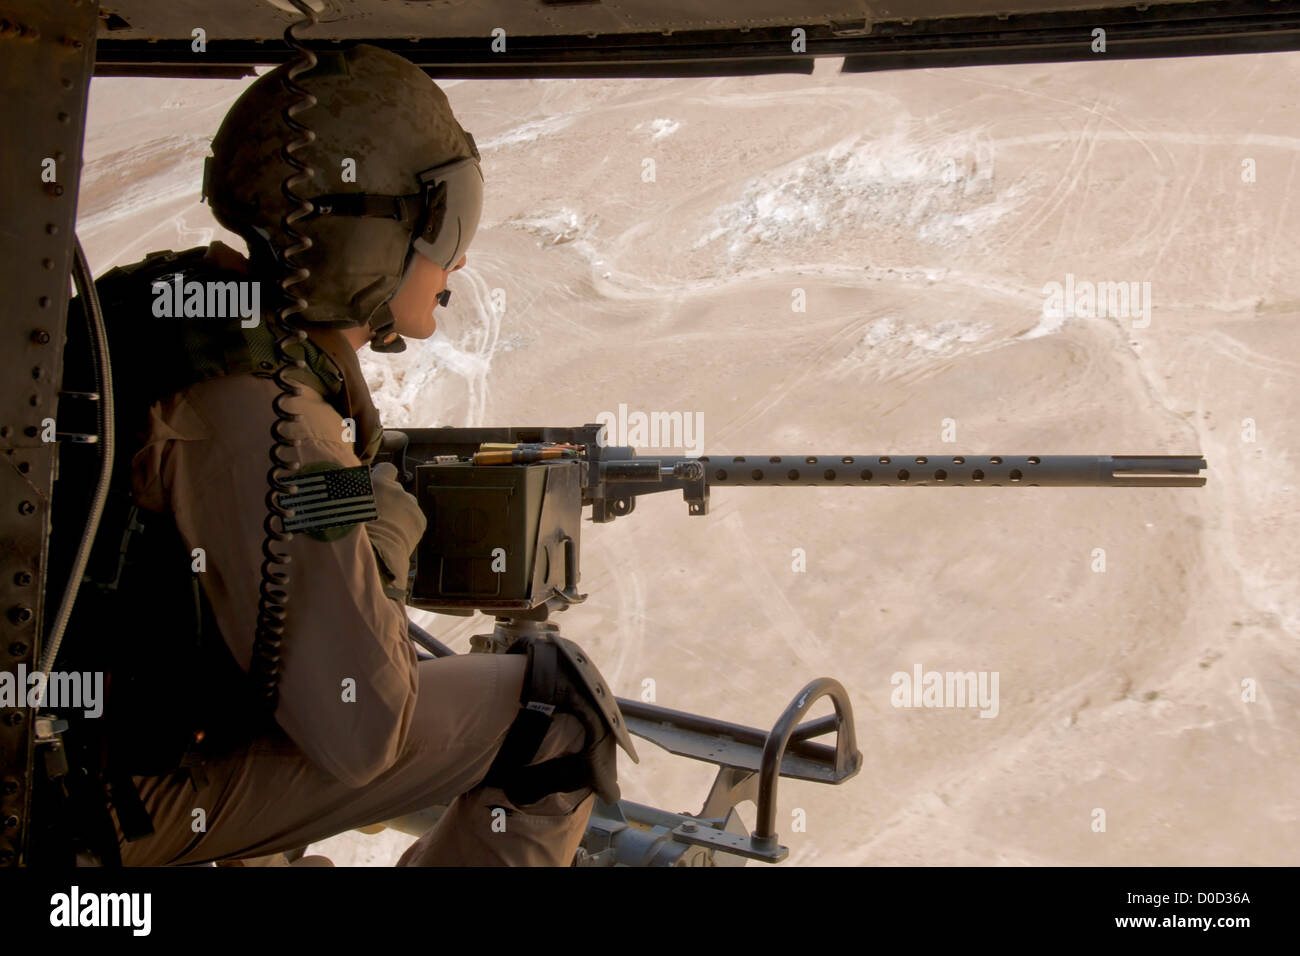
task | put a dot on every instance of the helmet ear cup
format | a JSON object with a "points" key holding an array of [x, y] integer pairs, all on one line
{"points": [[455, 194]]}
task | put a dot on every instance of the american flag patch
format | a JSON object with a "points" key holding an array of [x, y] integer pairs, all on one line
{"points": [[327, 499]]}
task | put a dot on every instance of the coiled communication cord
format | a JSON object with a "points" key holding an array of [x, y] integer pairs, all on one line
{"points": [[85, 283], [273, 593]]}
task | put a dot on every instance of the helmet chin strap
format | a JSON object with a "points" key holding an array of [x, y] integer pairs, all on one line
{"points": [[382, 336]]}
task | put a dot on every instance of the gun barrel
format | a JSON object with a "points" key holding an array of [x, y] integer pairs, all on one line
{"points": [[1162, 471]]}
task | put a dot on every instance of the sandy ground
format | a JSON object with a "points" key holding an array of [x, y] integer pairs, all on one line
{"points": [[921, 214]]}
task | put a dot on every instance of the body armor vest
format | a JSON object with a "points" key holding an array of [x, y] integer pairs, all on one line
{"points": [[175, 694]]}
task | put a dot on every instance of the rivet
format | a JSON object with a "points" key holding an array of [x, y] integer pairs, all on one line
{"points": [[47, 263], [14, 718], [40, 336], [26, 508], [51, 229], [43, 302], [9, 787], [38, 373], [23, 578], [17, 649], [20, 614]]}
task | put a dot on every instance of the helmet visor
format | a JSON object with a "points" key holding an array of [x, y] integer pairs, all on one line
{"points": [[459, 186]]}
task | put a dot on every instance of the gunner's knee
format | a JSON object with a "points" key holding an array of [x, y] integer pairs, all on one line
{"points": [[564, 739]]}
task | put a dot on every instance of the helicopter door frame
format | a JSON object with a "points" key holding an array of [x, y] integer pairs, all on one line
{"points": [[48, 48]]}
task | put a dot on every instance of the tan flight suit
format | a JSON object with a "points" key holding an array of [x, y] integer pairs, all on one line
{"points": [[418, 734]]}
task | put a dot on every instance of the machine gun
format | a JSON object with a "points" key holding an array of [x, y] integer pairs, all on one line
{"points": [[504, 508]]}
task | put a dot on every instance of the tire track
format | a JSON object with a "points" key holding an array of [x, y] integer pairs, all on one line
{"points": [[811, 366], [770, 598]]}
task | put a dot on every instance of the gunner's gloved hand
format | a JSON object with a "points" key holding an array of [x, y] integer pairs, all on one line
{"points": [[396, 532]]}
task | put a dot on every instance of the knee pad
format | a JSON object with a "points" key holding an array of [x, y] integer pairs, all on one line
{"points": [[560, 679]]}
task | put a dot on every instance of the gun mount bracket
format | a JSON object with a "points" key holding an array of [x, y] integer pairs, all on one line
{"points": [[726, 842], [751, 762]]}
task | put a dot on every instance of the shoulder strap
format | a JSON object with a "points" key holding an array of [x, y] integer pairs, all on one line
{"points": [[161, 355]]}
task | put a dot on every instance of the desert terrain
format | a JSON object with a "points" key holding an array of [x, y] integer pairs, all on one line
{"points": [[918, 218]]}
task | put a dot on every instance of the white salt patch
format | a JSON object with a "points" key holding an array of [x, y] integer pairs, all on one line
{"points": [[527, 132], [554, 227], [943, 193], [1049, 322], [891, 344], [664, 127]]}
